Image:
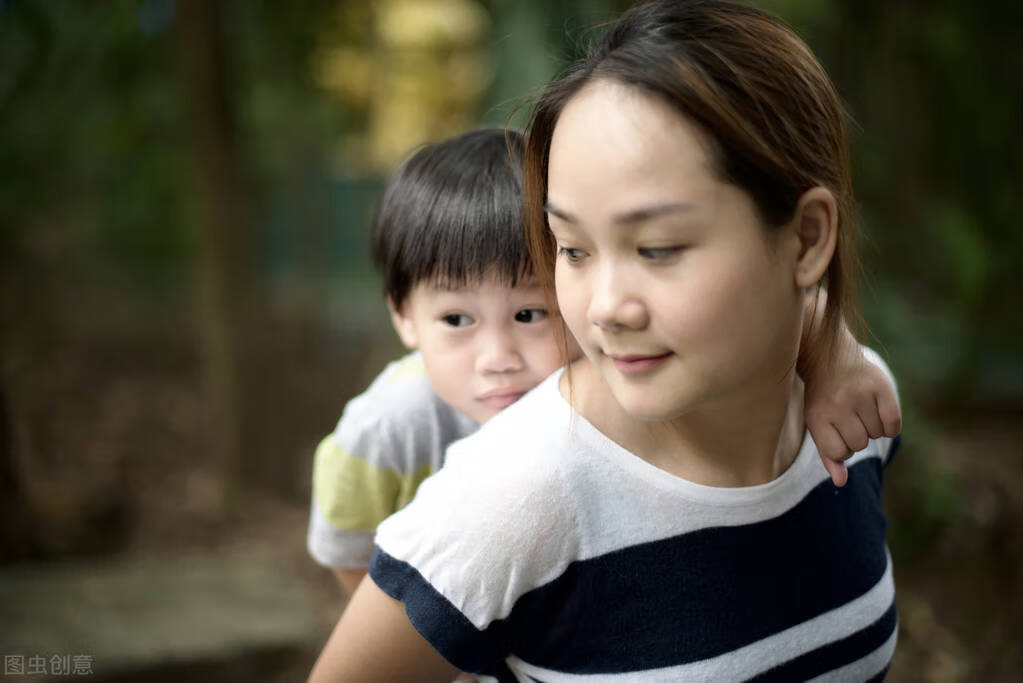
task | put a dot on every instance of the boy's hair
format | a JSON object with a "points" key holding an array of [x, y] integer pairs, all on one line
{"points": [[452, 215]]}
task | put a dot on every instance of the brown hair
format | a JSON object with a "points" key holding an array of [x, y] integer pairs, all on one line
{"points": [[770, 113]]}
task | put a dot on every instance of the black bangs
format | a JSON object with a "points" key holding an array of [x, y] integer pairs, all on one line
{"points": [[452, 215]]}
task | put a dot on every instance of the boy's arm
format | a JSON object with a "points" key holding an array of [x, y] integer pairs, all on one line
{"points": [[849, 403], [374, 641], [349, 495]]}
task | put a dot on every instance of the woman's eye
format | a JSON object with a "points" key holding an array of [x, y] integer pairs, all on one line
{"points": [[571, 255], [457, 319], [659, 253], [530, 315]]}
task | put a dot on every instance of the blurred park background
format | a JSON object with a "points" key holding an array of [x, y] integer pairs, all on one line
{"points": [[186, 301]]}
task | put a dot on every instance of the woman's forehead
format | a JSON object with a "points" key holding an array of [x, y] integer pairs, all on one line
{"points": [[612, 140]]}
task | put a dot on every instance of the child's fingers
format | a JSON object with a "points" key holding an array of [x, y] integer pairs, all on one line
{"points": [[838, 471], [891, 415], [832, 452], [830, 444], [854, 434], [870, 416]]}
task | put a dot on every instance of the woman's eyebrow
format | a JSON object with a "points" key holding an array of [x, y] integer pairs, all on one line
{"points": [[631, 217], [550, 208]]}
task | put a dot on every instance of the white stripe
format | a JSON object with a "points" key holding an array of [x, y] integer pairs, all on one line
{"points": [[865, 668], [662, 506], [765, 654]]}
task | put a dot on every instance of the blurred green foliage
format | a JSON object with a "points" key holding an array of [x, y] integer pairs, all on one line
{"points": [[935, 91], [94, 173], [96, 181]]}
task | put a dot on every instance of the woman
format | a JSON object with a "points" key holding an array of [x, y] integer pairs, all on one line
{"points": [[656, 511]]}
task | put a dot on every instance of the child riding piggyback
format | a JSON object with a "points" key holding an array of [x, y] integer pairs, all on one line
{"points": [[462, 295]]}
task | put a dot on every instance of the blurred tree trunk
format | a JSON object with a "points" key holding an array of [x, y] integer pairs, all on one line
{"points": [[15, 519], [226, 283]]}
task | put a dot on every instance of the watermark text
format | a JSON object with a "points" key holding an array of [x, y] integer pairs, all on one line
{"points": [[47, 665]]}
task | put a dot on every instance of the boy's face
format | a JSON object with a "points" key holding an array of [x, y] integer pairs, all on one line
{"points": [[484, 345]]}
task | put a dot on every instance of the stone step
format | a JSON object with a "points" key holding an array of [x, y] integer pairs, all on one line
{"points": [[153, 619]]}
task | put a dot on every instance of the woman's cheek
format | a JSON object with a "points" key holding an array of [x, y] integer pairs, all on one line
{"points": [[572, 302]]}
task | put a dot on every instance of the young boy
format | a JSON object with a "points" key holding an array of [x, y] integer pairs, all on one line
{"points": [[448, 241]]}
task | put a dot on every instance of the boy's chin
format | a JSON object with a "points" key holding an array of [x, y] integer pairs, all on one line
{"points": [[480, 414]]}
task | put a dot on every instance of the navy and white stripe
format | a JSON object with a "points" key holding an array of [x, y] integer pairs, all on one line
{"points": [[567, 558]]}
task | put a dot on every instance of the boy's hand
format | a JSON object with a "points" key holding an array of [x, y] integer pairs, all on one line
{"points": [[851, 402]]}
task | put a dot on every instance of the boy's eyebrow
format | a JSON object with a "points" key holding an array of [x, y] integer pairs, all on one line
{"points": [[629, 217]]}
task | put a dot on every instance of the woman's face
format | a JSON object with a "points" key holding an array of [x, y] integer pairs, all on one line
{"points": [[665, 275]]}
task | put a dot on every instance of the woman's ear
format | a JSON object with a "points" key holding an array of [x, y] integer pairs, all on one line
{"points": [[403, 323], [816, 225]]}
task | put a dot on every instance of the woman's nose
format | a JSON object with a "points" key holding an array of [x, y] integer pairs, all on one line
{"points": [[614, 304]]}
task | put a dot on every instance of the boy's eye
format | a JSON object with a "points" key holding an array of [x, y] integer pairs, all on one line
{"points": [[659, 253], [457, 319], [571, 255], [530, 315]]}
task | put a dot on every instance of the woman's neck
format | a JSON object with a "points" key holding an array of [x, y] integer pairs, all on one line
{"points": [[724, 444]]}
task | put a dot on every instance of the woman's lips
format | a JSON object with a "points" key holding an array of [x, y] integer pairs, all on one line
{"points": [[500, 398], [632, 364]]}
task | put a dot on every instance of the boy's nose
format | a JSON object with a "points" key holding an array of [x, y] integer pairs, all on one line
{"points": [[498, 354]]}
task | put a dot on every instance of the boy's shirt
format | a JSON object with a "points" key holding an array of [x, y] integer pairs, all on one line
{"points": [[388, 440]]}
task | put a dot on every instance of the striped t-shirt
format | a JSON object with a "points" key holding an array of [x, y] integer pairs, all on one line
{"points": [[388, 440], [546, 552]]}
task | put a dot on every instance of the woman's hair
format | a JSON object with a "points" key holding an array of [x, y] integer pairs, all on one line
{"points": [[452, 214], [768, 111]]}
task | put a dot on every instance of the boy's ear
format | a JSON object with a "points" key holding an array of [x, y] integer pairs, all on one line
{"points": [[816, 227], [403, 324]]}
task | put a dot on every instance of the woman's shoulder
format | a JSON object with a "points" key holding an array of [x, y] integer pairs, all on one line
{"points": [[537, 423], [490, 515], [517, 456]]}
